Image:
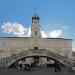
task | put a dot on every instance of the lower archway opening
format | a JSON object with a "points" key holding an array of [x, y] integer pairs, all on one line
{"points": [[35, 61]]}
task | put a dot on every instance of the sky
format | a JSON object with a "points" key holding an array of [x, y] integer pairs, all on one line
{"points": [[57, 18]]}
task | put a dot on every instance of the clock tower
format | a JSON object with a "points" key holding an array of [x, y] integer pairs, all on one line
{"points": [[35, 27]]}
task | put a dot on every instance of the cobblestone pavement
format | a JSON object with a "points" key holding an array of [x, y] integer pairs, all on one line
{"points": [[44, 71]]}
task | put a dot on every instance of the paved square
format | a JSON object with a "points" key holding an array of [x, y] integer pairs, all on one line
{"points": [[45, 71]]}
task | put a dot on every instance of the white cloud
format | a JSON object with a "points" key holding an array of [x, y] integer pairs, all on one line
{"points": [[43, 34], [55, 33], [15, 29], [28, 33]]}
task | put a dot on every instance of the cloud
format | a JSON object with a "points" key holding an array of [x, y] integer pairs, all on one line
{"points": [[15, 29], [55, 33], [43, 34], [28, 33]]}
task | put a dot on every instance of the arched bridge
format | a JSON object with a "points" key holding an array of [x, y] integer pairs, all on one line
{"points": [[6, 62]]}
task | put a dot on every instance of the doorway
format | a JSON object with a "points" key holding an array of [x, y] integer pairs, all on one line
{"points": [[36, 61]]}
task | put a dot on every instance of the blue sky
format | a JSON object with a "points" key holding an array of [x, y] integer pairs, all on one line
{"points": [[56, 16]]}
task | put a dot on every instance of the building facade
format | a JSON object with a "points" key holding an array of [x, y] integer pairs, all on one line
{"points": [[38, 49]]}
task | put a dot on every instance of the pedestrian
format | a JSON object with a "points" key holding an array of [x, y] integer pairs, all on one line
{"points": [[20, 66], [59, 67], [56, 66]]}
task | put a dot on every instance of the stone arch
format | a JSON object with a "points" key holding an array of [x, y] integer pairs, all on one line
{"points": [[31, 53], [37, 56]]}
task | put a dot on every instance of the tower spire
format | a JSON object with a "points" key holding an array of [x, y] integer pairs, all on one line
{"points": [[35, 11]]}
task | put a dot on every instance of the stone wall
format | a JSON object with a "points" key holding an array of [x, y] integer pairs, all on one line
{"points": [[11, 46]]}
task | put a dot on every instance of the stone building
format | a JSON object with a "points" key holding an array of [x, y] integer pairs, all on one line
{"points": [[35, 48]]}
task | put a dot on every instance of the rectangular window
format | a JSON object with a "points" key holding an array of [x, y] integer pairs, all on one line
{"points": [[36, 33]]}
